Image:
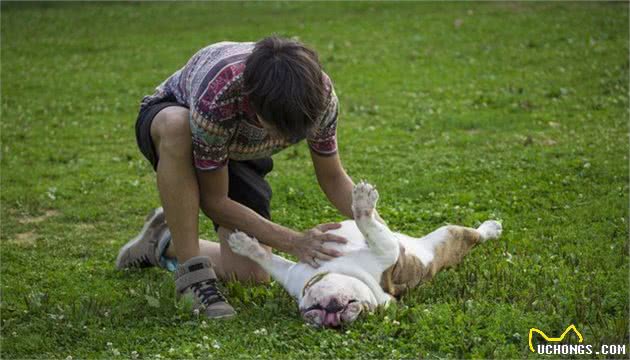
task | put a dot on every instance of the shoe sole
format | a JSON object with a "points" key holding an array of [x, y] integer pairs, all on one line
{"points": [[218, 317], [150, 220], [227, 316]]}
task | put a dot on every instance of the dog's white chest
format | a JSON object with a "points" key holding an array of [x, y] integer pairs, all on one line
{"points": [[350, 232]]}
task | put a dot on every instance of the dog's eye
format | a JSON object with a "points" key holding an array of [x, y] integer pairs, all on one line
{"points": [[352, 301]]}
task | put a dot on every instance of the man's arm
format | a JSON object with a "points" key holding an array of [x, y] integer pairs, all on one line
{"points": [[335, 182], [216, 204]]}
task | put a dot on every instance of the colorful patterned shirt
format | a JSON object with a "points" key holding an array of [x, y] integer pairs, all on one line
{"points": [[222, 123]]}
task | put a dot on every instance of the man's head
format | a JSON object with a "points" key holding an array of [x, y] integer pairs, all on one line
{"points": [[285, 85]]}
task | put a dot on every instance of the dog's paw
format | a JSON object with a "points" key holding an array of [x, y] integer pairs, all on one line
{"points": [[490, 230], [244, 245], [364, 198]]}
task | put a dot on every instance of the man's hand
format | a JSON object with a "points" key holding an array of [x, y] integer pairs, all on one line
{"points": [[309, 247]]}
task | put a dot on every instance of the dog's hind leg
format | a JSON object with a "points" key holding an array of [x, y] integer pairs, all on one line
{"points": [[451, 243], [380, 239], [421, 259]]}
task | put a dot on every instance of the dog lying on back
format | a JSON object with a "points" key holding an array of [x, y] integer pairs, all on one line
{"points": [[376, 266]]}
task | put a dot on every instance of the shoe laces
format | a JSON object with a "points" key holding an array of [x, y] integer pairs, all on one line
{"points": [[208, 292], [142, 261]]}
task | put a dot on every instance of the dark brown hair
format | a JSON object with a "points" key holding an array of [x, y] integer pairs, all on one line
{"points": [[284, 82]]}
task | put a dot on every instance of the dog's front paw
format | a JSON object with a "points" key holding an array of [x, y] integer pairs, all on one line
{"points": [[364, 198], [490, 229], [244, 245]]}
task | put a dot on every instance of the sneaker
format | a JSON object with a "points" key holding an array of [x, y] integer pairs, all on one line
{"points": [[145, 250], [195, 278]]}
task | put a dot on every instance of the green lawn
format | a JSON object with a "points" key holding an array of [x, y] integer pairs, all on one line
{"points": [[458, 112]]}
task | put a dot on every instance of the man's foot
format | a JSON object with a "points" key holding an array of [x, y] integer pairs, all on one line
{"points": [[144, 250], [195, 278]]}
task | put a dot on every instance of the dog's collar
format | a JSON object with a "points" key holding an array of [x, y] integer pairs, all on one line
{"points": [[314, 280]]}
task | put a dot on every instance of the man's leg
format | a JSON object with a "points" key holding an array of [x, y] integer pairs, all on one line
{"points": [[176, 179], [179, 194], [170, 142]]}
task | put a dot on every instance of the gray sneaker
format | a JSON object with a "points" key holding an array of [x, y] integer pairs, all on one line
{"points": [[195, 278], [146, 249]]}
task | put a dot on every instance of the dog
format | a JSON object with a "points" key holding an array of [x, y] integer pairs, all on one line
{"points": [[376, 267]]}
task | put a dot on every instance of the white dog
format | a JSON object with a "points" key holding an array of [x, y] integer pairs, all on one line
{"points": [[376, 264]]}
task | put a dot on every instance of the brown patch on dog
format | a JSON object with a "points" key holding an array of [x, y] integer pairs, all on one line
{"points": [[408, 271], [451, 251], [37, 219], [405, 274]]}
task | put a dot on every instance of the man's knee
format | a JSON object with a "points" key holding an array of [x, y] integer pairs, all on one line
{"points": [[170, 131]]}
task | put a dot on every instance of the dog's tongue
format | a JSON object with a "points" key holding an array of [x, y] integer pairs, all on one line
{"points": [[332, 319]]}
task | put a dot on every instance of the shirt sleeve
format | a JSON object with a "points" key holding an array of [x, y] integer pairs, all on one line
{"points": [[323, 138]]}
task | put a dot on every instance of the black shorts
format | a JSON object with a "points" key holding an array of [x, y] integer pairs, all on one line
{"points": [[247, 184]]}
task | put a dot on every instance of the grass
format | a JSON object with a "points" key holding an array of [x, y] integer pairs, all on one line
{"points": [[457, 112]]}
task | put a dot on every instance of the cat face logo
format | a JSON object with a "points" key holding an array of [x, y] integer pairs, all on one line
{"points": [[553, 339]]}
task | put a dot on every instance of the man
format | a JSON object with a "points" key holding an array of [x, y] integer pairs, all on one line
{"points": [[209, 131]]}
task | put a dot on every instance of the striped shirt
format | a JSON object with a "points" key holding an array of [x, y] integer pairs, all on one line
{"points": [[222, 123]]}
